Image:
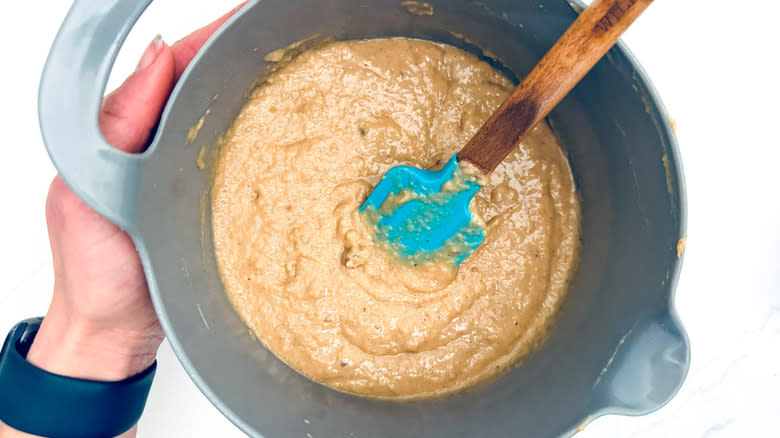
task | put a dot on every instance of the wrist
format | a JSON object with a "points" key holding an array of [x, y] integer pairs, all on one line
{"points": [[63, 405], [73, 347]]}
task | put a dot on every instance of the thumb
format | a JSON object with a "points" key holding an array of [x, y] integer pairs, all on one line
{"points": [[130, 113]]}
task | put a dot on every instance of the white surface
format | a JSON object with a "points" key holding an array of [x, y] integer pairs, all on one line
{"points": [[717, 72]]}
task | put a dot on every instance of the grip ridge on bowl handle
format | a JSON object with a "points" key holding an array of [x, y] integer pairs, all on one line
{"points": [[69, 99], [647, 369]]}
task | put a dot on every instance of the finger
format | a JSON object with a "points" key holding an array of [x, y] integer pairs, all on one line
{"points": [[130, 113], [186, 48]]}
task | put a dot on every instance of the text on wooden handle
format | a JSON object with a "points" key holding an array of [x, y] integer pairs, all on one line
{"points": [[613, 16]]}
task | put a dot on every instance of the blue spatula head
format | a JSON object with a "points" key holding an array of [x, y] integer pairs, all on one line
{"points": [[423, 215]]}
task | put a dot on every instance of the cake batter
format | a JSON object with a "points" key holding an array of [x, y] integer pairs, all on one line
{"points": [[298, 261]]}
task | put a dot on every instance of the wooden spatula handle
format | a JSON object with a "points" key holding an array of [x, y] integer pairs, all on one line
{"points": [[594, 32]]}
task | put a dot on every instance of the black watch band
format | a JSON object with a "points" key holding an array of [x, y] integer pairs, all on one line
{"points": [[36, 401]]}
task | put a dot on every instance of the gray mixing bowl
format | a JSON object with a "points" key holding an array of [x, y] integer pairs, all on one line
{"points": [[618, 347]]}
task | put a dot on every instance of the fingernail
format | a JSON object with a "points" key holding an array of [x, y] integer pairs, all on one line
{"points": [[150, 54]]}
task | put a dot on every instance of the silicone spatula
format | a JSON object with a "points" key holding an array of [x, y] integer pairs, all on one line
{"points": [[423, 215]]}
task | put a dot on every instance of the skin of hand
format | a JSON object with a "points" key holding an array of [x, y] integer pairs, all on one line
{"points": [[101, 324]]}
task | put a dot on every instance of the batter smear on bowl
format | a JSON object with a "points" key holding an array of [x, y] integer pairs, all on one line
{"points": [[299, 263]]}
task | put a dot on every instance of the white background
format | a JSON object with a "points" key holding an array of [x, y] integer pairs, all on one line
{"points": [[715, 65]]}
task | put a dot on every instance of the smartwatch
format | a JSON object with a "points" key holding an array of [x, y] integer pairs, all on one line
{"points": [[36, 401]]}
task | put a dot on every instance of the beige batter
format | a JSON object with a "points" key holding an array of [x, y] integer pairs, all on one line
{"points": [[299, 264]]}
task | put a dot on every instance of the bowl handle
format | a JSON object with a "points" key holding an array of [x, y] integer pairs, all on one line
{"points": [[69, 99], [647, 369]]}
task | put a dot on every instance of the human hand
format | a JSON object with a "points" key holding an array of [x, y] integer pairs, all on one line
{"points": [[101, 324]]}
